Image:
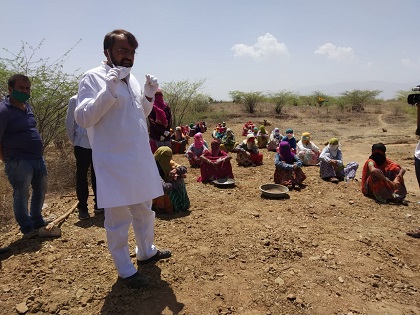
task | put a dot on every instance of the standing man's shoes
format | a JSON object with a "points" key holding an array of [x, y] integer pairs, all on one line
{"points": [[160, 254], [136, 281], [98, 210]]}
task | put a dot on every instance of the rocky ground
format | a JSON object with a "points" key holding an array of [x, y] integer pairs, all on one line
{"points": [[324, 250]]}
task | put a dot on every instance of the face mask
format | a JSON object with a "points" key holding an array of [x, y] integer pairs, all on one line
{"points": [[333, 147], [124, 71], [20, 96]]}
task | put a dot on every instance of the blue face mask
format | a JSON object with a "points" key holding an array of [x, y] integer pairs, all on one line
{"points": [[20, 96]]}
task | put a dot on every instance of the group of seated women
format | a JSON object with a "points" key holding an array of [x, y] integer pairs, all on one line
{"points": [[382, 178]]}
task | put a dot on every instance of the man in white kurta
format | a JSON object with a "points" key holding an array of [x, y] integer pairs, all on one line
{"points": [[114, 111]]}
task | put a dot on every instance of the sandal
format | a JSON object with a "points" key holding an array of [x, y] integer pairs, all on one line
{"points": [[414, 233]]}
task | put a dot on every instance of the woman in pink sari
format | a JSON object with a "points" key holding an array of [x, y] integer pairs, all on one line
{"points": [[196, 149], [160, 121], [215, 164]]}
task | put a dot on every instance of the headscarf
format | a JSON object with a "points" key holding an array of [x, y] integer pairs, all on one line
{"points": [[159, 105], [306, 136], [215, 147], [198, 140], [229, 133], [333, 145], [285, 153], [178, 134], [378, 153], [262, 129], [276, 133], [289, 133], [163, 157], [255, 129], [250, 140]]}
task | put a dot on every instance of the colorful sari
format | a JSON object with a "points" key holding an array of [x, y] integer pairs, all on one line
{"points": [[380, 189], [284, 161], [215, 164], [262, 138], [228, 141], [247, 152], [175, 196]]}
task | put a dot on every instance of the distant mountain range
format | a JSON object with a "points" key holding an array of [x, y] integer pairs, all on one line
{"points": [[389, 90]]}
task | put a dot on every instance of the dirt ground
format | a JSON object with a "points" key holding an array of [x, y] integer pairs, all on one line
{"points": [[324, 250]]}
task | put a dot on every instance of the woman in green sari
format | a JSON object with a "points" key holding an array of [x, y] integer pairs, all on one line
{"points": [[175, 196]]}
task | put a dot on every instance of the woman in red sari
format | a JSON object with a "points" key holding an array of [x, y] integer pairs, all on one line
{"points": [[215, 164], [382, 178]]}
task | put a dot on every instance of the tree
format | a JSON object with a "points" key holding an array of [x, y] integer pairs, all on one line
{"points": [[249, 100], [357, 99], [183, 98], [403, 95], [51, 88], [280, 99]]}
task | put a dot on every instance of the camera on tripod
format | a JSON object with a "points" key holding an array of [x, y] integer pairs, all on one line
{"points": [[414, 99]]}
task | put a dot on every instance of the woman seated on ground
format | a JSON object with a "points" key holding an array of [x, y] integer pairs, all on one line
{"points": [[247, 152], [178, 141], [175, 196], [274, 140], [196, 149], [331, 165], [215, 164], [382, 178], [307, 151], [288, 167], [290, 137], [262, 138], [228, 141], [248, 127]]}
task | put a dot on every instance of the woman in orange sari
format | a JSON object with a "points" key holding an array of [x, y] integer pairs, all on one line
{"points": [[382, 178]]}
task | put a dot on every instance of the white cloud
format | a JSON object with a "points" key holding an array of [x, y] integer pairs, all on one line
{"points": [[265, 47], [336, 53]]}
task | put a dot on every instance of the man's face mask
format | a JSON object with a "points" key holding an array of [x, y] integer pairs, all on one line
{"points": [[124, 71], [20, 96]]}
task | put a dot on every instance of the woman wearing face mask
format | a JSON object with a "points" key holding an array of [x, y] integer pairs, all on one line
{"points": [[247, 152], [382, 178], [288, 168], [307, 151], [196, 149], [274, 140], [331, 165], [215, 164], [290, 137], [160, 122]]}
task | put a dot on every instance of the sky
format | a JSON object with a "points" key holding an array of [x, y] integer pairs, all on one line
{"points": [[269, 46]]}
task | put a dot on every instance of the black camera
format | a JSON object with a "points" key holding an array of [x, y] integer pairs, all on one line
{"points": [[413, 99]]}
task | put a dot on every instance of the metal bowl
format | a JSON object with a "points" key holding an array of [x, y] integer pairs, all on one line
{"points": [[274, 190], [224, 182]]}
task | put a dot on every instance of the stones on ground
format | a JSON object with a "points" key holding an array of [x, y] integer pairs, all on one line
{"points": [[22, 308], [279, 281]]}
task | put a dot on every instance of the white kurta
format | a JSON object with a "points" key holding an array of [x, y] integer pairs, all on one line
{"points": [[126, 171]]}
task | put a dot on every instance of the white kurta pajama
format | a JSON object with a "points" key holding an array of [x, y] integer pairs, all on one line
{"points": [[127, 177]]}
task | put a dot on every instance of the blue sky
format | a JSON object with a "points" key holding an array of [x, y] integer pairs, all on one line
{"points": [[266, 45]]}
